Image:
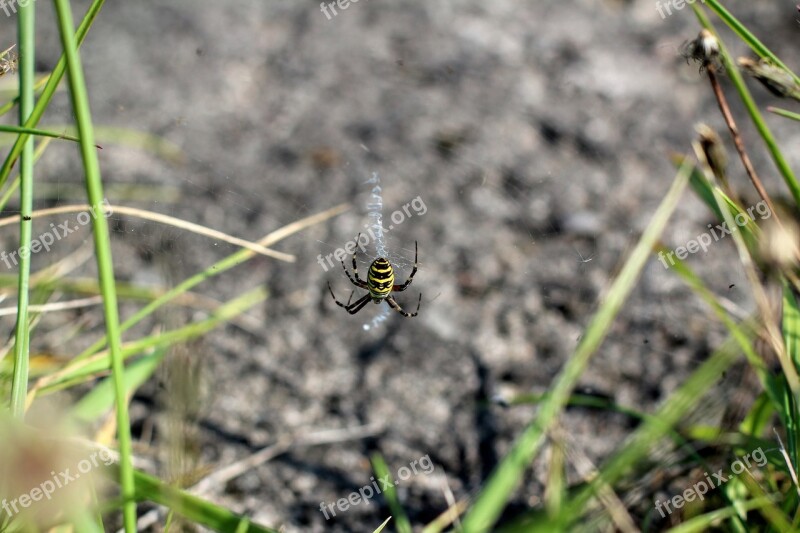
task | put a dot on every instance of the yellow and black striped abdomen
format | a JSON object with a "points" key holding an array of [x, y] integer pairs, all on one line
{"points": [[380, 279]]}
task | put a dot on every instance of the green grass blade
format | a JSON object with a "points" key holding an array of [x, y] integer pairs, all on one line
{"points": [[130, 138], [757, 420], [40, 133], [699, 183], [26, 30], [711, 520], [149, 488], [383, 525], [100, 400], [790, 326], [105, 265], [784, 113], [402, 523]]}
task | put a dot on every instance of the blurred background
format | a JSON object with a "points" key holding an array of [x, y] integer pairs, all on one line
{"points": [[529, 143]]}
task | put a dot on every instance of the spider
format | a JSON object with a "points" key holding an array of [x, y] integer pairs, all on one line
{"points": [[380, 284]]}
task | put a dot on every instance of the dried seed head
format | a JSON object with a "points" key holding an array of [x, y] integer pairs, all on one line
{"points": [[8, 61], [704, 50], [775, 79], [778, 246], [714, 151]]}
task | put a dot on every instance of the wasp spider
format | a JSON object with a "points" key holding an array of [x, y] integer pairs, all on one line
{"points": [[380, 284]]}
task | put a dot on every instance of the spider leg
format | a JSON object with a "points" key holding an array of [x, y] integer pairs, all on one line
{"points": [[358, 305], [358, 282], [351, 308], [394, 305], [404, 286], [340, 304], [355, 266], [351, 297], [333, 295]]}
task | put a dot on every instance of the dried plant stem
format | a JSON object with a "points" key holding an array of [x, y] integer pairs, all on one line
{"points": [[737, 138]]}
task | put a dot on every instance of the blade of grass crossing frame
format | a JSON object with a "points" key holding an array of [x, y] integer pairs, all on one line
{"points": [[149, 488], [757, 420], [100, 399], [791, 324], [383, 525], [496, 492], [700, 185], [26, 30], [784, 113], [40, 133], [402, 523], [105, 267]]}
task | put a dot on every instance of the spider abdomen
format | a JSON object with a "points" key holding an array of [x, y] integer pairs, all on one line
{"points": [[380, 279]]}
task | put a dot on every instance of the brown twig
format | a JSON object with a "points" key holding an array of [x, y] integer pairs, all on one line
{"points": [[737, 138]]}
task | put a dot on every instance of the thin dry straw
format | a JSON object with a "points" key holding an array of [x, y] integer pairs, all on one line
{"points": [[164, 219]]}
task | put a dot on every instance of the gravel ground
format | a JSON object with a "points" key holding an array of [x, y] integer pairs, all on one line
{"points": [[536, 137]]}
